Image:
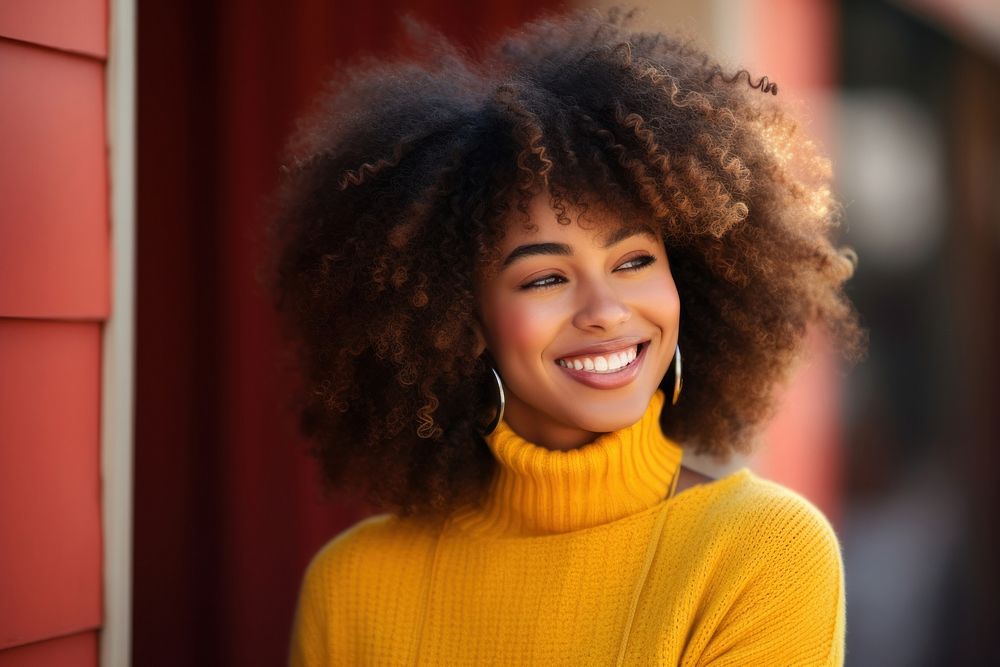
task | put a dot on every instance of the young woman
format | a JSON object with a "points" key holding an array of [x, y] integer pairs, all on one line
{"points": [[523, 286]]}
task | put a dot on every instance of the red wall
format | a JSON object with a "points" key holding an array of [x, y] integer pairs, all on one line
{"points": [[227, 509], [54, 295]]}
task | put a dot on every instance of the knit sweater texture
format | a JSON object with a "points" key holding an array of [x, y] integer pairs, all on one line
{"points": [[584, 557]]}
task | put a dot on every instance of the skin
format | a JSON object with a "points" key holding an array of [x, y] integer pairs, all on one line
{"points": [[581, 299]]}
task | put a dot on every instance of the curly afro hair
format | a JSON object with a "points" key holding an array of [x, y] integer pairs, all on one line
{"points": [[401, 183]]}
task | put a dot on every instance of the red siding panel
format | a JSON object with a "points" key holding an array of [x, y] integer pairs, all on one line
{"points": [[50, 563], [77, 650], [74, 25], [53, 185]]}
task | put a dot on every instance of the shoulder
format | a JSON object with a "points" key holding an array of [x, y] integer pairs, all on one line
{"points": [[775, 562], [370, 552], [370, 542], [770, 509], [761, 524], [376, 550]]}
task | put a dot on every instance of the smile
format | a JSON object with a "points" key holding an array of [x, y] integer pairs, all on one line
{"points": [[607, 363], [606, 371]]}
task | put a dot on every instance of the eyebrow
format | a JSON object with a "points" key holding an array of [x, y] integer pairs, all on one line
{"points": [[531, 249]]}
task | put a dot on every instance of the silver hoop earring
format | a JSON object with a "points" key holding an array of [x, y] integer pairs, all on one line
{"points": [[677, 374], [503, 403]]}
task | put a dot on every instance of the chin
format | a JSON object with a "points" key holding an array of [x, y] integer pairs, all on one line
{"points": [[611, 416]]}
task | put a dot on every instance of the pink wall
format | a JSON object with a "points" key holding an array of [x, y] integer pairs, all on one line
{"points": [[794, 43]]}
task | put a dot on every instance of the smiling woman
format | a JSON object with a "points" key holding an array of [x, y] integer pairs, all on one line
{"points": [[489, 269]]}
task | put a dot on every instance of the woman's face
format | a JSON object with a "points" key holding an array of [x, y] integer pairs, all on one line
{"points": [[560, 291]]}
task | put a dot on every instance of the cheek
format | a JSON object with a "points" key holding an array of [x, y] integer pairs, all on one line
{"points": [[661, 301], [520, 327]]}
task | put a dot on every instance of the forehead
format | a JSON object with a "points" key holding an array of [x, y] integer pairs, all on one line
{"points": [[594, 224]]}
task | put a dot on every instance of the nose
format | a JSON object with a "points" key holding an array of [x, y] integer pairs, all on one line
{"points": [[601, 308]]}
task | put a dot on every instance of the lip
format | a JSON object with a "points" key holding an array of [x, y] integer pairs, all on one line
{"points": [[608, 380], [616, 345]]}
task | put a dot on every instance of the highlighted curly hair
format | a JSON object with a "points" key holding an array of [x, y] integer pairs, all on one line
{"points": [[399, 189]]}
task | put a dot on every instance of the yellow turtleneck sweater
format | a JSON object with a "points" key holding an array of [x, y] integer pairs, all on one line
{"points": [[584, 557]]}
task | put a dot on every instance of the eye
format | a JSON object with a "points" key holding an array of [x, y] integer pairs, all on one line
{"points": [[640, 262], [543, 283]]}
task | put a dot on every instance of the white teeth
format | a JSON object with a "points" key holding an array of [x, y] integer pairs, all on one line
{"points": [[603, 364]]}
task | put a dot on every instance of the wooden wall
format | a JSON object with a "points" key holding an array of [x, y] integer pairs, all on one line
{"points": [[54, 297]]}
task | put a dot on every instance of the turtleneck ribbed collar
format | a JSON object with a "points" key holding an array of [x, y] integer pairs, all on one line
{"points": [[538, 491]]}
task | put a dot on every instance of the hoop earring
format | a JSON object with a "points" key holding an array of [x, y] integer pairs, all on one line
{"points": [[503, 403], [678, 382]]}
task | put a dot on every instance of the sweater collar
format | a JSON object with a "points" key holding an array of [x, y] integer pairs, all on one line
{"points": [[538, 491]]}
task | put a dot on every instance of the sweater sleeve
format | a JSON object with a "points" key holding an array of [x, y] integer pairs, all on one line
{"points": [[308, 629], [789, 607]]}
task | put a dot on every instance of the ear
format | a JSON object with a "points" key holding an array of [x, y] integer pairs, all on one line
{"points": [[477, 328]]}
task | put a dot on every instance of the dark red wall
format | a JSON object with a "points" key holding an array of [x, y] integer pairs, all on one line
{"points": [[227, 509]]}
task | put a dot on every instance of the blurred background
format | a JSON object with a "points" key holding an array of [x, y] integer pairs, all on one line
{"points": [[156, 506]]}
